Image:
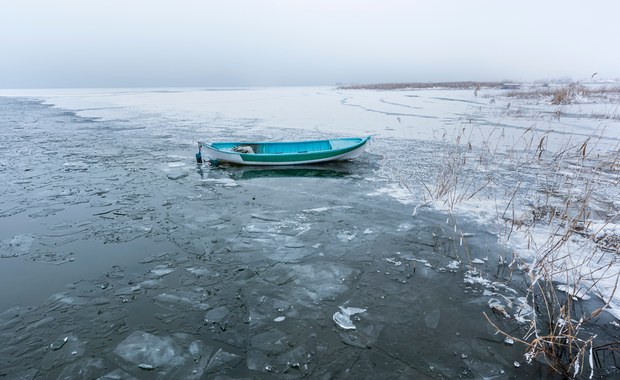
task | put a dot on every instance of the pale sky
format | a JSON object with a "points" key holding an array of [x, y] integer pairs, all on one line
{"points": [[179, 43]]}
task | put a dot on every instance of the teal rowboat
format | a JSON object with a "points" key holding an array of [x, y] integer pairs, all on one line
{"points": [[283, 153]]}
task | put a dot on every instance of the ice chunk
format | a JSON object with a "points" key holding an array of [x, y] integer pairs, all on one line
{"points": [[148, 350], [75, 166], [269, 217], [222, 359], [63, 350], [216, 315], [117, 374], [195, 349], [67, 299], [405, 227], [57, 345], [224, 182], [10, 318], [473, 277], [292, 242], [182, 299], [352, 310], [310, 283], [176, 176], [40, 323], [199, 271], [432, 319], [272, 340], [27, 375], [86, 368], [346, 236], [159, 256], [161, 270], [44, 212], [128, 290], [201, 356], [324, 209], [17, 246], [394, 261], [364, 337], [150, 284], [342, 318]]}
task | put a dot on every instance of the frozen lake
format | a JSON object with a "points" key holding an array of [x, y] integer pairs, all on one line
{"points": [[121, 258]]}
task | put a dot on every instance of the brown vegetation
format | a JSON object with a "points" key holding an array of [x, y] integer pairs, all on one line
{"points": [[565, 94], [557, 332]]}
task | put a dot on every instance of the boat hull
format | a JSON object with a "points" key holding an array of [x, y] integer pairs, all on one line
{"points": [[288, 153]]}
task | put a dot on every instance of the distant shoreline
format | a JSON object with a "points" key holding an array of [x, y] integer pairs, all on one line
{"points": [[422, 85]]}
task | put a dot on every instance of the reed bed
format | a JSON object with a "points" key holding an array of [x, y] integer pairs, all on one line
{"points": [[560, 191]]}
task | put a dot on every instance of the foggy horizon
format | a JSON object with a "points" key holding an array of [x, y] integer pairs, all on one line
{"points": [[146, 44]]}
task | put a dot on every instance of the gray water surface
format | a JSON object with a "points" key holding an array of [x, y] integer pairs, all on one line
{"points": [[123, 259]]}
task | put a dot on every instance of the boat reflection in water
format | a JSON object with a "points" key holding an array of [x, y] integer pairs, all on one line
{"points": [[326, 170], [316, 171]]}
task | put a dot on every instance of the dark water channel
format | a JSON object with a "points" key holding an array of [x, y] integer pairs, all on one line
{"points": [[121, 259]]}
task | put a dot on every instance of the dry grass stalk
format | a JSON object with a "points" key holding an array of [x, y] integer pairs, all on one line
{"points": [[556, 333]]}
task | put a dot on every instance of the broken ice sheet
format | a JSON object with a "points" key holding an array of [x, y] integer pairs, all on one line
{"points": [[17, 246], [44, 212], [63, 350], [117, 374], [271, 340], [177, 175], [52, 257], [216, 315], [342, 318], [270, 216], [182, 299], [394, 261], [306, 284], [222, 359], [199, 271], [150, 284], [346, 236], [67, 298], [159, 256], [86, 368], [365, 337], [264, 228], [432, 319], [161, 270], [224, 182], [147, 350]]}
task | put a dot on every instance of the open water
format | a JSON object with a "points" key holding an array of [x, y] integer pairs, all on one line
{"points": [[122, 259]]}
